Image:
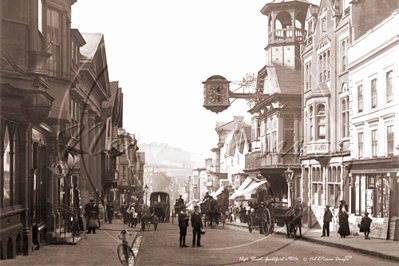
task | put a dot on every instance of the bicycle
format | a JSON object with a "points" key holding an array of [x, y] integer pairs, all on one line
{"points": [[125, 253]]}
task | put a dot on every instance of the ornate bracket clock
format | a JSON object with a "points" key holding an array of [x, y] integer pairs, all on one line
{"points": [[217, 93]]}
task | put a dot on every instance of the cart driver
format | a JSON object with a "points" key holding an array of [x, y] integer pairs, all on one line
{"points": [[180, 201], [206, 197]]}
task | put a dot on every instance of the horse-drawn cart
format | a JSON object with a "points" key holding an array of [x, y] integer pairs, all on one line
{"points": [[212, 214], [265, 216], [160, 203]]}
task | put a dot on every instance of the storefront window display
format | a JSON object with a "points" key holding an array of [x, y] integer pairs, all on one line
{"points": [[371, 194]]}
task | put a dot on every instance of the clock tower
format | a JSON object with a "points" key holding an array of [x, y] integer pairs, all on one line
{"points": [[286, 30]]}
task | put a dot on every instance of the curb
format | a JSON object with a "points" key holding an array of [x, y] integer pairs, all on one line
{"points": [[359, 250]]}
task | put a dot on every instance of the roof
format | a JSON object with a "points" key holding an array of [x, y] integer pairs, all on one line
{"points": [[289, 80], [265, 9], [114, 88], [92, 42], [321, 90]]}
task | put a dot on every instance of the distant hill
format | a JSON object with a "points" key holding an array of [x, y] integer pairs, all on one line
{"points": [[163, 154]]}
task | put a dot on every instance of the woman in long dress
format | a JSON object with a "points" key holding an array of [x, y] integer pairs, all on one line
{"points": [[343, 215]]}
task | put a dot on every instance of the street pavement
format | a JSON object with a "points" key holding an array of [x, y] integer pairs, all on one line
{"points": [[387, 249], [234, 245], [91, 249]]}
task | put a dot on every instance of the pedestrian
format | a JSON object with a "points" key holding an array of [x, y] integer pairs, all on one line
{"points": [[110, 211], [196, 223], [343, 216], [123, 211], [91, 212], [131, 213], [326, 221], [183, 224], [365, 225]]}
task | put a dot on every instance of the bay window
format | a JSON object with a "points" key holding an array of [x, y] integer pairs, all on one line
{"points": [[321, 121], [54, 37], [310, 123]]}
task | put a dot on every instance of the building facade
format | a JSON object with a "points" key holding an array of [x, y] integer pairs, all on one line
{"points": [[374, 110], [276, 124]]}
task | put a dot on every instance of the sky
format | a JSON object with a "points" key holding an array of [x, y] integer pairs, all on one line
{"points": [[161, 52]]}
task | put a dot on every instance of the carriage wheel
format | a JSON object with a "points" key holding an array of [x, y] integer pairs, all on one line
{"points": [[167, 214], [250, 224], [266, 222]]}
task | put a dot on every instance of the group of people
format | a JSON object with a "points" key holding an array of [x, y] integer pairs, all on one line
{"points": [[343, 221], [196, 224]]}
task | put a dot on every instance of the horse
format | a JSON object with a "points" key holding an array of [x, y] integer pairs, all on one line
{"points": [[293, 221]]}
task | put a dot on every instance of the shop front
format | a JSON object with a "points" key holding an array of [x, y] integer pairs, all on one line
{"points": [[374, 189]]}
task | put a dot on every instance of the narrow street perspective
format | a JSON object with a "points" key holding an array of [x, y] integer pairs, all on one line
{"points": [[211, 132]]}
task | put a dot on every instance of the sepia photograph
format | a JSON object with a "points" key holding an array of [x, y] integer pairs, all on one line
{"points": [[213, 132]]}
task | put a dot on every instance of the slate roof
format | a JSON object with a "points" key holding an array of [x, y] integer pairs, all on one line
{"points": [[92, 42], [284, 79]]}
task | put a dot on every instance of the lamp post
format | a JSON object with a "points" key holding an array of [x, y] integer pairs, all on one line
{"points": [[145, 189], [289, 174]]}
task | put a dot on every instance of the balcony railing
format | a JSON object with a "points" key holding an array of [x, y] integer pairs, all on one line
{"points": [[287, 35]]}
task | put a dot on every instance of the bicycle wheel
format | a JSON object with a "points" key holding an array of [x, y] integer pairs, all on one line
{"points": [[126, 255]]}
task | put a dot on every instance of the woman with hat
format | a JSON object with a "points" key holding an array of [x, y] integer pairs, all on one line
{"points": [[343, 215]]}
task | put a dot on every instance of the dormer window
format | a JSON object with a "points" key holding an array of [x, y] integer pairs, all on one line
{"points": [[323, 25]]}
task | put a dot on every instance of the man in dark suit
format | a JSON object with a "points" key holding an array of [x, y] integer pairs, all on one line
{"points": [[180, 201], [91, 212], [196, 223], [183, 223]]}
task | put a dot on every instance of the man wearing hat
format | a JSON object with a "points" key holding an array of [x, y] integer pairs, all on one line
{"points": [[91, 213], [326, 221], [196, 223], [183, 223]]}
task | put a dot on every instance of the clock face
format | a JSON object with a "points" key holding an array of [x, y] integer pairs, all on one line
{"points": [[217, 94]]}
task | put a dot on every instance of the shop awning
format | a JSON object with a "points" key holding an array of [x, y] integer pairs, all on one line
{"points": [[243, 186], [248, 191], [218, 192]]}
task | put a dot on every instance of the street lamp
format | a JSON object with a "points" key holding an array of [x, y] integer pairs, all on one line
{"points": [[289, 174], [146, 188]]}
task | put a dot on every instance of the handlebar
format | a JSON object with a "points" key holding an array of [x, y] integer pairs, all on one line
{"points": [[122, 234]]}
